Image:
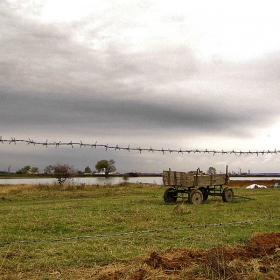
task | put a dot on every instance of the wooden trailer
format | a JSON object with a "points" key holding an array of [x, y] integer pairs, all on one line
{"points": [[195, 187]]}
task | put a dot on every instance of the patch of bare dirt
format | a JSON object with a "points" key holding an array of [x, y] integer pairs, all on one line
{"points": [[263, 251], [258, 259]]}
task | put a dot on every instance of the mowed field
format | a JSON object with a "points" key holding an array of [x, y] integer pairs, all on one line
{"points": [[126, 231]]}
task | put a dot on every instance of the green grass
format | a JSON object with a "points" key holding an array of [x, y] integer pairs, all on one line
{"points": [[55, 217]]}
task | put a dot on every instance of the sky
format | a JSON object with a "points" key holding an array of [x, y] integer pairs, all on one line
{"points": [[181, 75]]}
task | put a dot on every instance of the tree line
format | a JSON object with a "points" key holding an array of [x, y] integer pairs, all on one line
{"points": [[103, 166], [63, 172]]}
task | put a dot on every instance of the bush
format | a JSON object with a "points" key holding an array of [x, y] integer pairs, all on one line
{"points": [[63, 172]]}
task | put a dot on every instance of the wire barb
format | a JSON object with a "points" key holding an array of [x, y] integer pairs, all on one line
{"points": [[71, 144], [13, 140], [94, 145], [30, 142], [57, 144], [46, 143]]}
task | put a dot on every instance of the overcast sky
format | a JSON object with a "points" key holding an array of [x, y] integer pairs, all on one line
{"points": [[161, 74]]}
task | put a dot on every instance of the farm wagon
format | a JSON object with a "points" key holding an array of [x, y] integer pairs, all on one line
{"points": [[195, 187]]}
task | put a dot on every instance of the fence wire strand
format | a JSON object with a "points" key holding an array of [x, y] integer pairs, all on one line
{"points": [[137, 232], [138, 149]]}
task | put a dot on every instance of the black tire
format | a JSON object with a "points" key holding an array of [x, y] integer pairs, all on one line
{"points": [[227, 195], [196, 197], [204, 193], [170, 195]]}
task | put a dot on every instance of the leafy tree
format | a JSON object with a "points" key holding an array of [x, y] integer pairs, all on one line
{"points": [[212, 171], [25, 169], [106, 166], [34, 169], [87, 170], [63, 172], [48, 169]]}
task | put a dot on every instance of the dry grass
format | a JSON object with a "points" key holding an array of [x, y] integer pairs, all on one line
{"points": [[46, 212]]}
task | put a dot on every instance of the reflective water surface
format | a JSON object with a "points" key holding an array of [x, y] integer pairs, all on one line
{"points": [[110, 180], [83, 180]]}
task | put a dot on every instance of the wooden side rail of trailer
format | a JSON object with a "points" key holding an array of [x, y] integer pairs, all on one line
{"points": [[195, 188]]}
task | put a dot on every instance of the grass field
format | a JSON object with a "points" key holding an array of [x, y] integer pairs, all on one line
{"points": [[51, 233]]}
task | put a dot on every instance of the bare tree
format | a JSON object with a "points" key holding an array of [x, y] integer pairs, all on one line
{"points": [[63, 172], [212, 171]]}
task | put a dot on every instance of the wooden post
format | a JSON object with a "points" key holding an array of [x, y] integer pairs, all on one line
{"points": [[227, 177]]}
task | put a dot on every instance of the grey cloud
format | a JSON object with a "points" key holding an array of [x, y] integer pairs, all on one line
{"points": [[29, 110], [42, 56], [50, 82], [46, 57]]}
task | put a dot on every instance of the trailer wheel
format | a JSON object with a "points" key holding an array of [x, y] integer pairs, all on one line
{"points": [[204, 193], [196, 197], [170, 195], [227, 195]]}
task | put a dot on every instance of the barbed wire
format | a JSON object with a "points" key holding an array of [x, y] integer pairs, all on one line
{"points": [[138, 232], [138, 149]]}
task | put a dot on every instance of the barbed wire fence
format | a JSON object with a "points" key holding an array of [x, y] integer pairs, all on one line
{"points": [[138, 149], [108, 235]]}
